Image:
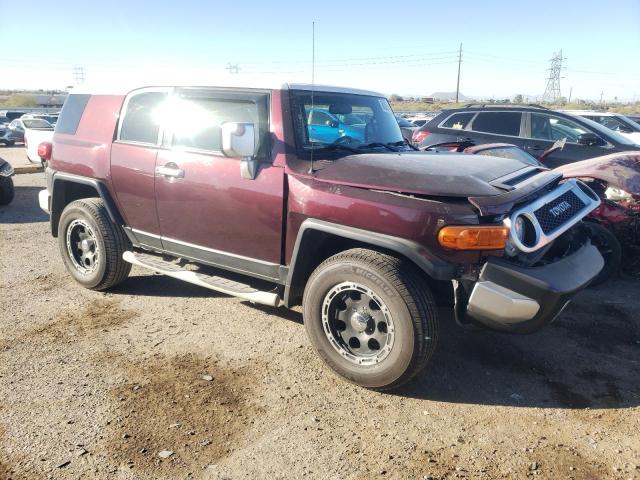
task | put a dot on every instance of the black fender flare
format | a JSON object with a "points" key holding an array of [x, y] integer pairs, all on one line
{"points": [[431, 265], [57, 183]]}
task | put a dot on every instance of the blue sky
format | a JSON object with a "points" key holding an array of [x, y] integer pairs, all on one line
{"points": [[393, 47]]}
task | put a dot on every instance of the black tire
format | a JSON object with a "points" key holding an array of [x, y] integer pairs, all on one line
{"points": [[7, 192], [10, 143], [403, 291], [111, 242], [610, 249]]}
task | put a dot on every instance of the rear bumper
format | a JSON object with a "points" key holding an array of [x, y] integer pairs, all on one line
{"points": [[517, 299], [43, 200]]}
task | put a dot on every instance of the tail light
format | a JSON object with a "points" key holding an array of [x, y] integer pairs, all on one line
{"points": [[419, 135], [44, 150]]}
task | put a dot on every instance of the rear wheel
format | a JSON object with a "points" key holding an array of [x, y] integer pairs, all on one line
{"points": [[7, 191], [91, 245], [610, 249], [371, 318]]}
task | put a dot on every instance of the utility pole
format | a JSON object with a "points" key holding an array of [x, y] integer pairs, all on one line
{"points": [[601, 97], [458, 84], [570, 92]]}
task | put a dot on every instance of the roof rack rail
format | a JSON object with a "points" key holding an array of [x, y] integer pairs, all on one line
{"points": [[503, 105]]}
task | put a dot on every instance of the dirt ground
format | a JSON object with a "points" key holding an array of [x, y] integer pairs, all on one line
{"points": [[104, 385]]}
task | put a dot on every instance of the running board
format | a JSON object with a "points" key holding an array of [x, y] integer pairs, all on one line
{"points": [[212, 282]]}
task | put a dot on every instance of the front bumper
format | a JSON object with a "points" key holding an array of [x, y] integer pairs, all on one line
{"points": [[518, 299]]}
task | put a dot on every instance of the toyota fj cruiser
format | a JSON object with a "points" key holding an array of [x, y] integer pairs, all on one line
{"points": [[308, 195]]}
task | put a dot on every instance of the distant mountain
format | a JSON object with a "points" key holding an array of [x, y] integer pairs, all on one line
{"points": [[447, 96]]}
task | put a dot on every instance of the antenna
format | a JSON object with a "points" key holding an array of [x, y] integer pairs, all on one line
{"points": [[313, 81]]}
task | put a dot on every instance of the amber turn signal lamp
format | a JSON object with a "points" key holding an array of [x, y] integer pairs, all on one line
{"points": [[474, 237]]}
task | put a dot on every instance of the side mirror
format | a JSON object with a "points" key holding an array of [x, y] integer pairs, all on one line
{"points": [[590, 139], [239, 140], [623, 129]]}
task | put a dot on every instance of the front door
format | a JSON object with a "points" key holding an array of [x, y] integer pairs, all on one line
{"points": [[545, 129], [207, 211], [133, 163]]}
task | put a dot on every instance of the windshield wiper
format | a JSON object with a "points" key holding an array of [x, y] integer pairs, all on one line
{"points": [[402, 142], [336, 146], [388, 146]]}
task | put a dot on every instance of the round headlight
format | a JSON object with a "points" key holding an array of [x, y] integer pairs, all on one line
{"points": [[519, 228]]}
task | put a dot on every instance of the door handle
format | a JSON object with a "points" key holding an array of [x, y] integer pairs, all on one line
{"points": [[170, 170], [534, 147]]}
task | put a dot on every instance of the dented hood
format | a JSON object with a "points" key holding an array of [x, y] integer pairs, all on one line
{"points": [[422, 173], [620, 170]]}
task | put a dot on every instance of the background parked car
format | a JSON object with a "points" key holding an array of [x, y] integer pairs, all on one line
{"points": [[614, 121], [52, 118], [635, 118], [16, 130], [406, 127], [532, 128], [6, 182]]}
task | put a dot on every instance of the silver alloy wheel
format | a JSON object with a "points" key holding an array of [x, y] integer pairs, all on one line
{"points": [[357, 323], [82, 246]]}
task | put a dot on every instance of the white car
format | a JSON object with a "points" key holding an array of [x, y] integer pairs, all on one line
{"points": [[614, 121]]}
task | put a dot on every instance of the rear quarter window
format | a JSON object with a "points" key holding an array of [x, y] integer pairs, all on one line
{"points": [[71, 114], [458, 121]]}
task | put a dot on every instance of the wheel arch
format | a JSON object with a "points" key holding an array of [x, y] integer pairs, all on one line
{"points": [[66, 188], [318, 240]]}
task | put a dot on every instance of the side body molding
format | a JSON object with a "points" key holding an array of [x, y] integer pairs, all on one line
{"points": [[313, 230]]}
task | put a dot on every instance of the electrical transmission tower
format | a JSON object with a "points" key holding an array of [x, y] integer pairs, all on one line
{"points": [[232, 68], [78, 75], [552, 92]]}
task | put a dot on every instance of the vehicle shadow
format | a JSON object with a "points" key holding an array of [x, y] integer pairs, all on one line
{"points": [[162, 286], [587, 359], [24, 207]]}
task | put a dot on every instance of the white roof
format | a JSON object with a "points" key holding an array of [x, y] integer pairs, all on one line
{"points": [[230, 81], [590, 112]]}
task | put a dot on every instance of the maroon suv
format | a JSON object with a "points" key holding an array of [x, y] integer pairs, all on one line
{"points": [[308, 195]]}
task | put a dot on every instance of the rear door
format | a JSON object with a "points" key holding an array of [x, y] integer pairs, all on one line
{"points": [[206, 209], [133, 163]]}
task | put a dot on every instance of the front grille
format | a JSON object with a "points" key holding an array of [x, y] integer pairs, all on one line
{"points": [[558, 211]]}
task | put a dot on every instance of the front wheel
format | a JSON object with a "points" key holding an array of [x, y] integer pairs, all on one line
{"points": [[7, 191], [92, 245], [610, 249], [371, 317]]}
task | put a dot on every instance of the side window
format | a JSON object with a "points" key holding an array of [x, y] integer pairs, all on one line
{"points": [[457, 121], [499, 123], [71, 114], [196, 118], [140, 122], [548, 127]]}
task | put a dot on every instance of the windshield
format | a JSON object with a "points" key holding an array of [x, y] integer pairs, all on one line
{"points": [[608, 134], [345, 120], [36, 123]]}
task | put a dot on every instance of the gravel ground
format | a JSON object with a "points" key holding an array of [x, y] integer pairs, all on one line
{"points": [[163, 380], [15, 155]]}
